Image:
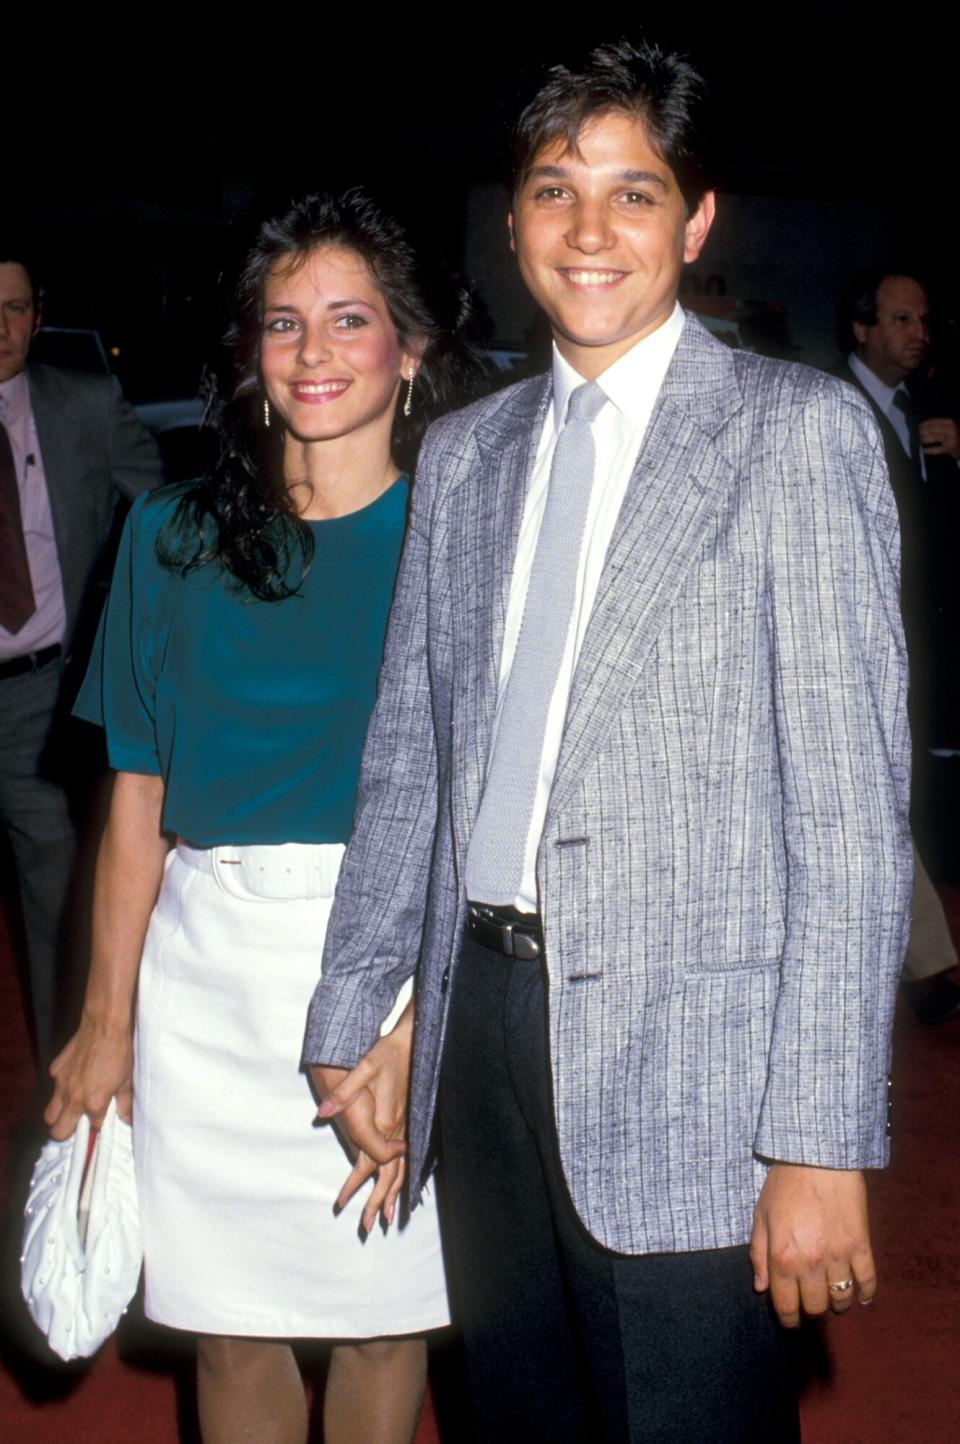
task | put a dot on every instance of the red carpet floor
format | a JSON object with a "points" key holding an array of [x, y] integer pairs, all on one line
{"points": [[885, 1375]]}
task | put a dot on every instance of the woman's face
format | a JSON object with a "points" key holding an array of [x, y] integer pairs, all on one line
{"points": [[330, 359]]}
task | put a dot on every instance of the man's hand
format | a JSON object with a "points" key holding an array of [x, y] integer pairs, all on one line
{"points": [[940, 436], [810, 1231], [369, 1104]]}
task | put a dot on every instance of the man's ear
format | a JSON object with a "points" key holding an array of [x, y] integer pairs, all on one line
{"points": [[860, 333], [698, 226], [37, 316], [513, 244]]}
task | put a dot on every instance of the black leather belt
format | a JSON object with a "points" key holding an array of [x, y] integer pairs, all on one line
{"points": [[507, 931], [29, 662]]}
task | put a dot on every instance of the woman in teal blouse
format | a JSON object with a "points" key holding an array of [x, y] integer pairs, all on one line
{"points": [[235, 675]]}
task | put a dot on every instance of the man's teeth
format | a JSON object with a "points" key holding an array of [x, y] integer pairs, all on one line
{"points": [[594, 278]]}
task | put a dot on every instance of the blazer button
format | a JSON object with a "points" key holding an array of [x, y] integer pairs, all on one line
{"points": [[445, 980]]}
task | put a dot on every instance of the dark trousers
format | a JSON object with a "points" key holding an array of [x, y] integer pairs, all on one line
{"points": [[35, 812], [564, 1340]]}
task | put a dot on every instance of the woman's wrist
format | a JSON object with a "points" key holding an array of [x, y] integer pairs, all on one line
{"points": [[108, 1019]]}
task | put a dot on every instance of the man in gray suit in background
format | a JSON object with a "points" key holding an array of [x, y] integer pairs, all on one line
{"points": [[633, 803], [70, 446]]}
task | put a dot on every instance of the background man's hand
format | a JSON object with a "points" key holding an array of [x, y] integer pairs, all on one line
{"points": [[809, 1231], [940, 436]]}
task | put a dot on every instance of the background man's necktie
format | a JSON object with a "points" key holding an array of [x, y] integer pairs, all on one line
{"points": [[495, 857], [17, 602], [904, 402]]}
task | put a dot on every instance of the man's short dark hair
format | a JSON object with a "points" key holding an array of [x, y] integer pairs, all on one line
{"points": [[663, 91]]}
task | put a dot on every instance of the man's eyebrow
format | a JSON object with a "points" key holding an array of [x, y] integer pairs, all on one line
{"points": [[643, 177], [548, 172]]}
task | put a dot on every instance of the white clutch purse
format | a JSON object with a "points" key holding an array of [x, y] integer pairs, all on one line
{"points": [[81, 1255]]}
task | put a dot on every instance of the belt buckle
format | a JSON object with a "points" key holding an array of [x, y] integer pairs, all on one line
{"points": [[519, 944]]}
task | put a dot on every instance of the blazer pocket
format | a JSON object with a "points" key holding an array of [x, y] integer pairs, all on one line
{"points": [[702, 969]]}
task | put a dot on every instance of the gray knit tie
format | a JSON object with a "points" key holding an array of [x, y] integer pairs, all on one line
{"points": [[495, 856]]}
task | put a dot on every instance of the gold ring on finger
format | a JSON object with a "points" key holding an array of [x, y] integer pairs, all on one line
{"points": [[843, 1287]]}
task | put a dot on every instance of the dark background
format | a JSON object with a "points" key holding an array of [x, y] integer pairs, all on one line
{"points": [[140, 150]]}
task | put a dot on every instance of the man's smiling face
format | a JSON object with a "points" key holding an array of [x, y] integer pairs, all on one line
{"points": [[601, 235]]}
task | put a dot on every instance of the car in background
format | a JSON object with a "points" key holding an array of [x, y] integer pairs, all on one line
{"points": [[177, 423], [187, 448]]}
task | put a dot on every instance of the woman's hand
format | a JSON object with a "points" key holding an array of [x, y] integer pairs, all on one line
{"points": [[369, 1104], [95, 1066]]}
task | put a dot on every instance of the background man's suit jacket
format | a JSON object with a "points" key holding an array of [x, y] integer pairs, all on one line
{"points": [[906, 484], [95, 451], [929, 515], [724, 871]]}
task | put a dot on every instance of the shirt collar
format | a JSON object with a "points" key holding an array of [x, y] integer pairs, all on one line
{"points": [[15, 397], [882, 393], [632, 382]]}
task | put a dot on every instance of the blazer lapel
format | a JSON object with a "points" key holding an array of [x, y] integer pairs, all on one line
{"points": [[58, 447], [488, 528], [679, 485], [63, 446]]}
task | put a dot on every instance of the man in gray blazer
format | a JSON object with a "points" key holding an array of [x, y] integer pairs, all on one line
{"points": [[70, 446], [633, 804]]}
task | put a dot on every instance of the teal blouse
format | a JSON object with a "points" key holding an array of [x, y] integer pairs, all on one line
{"points": [[254, 713]]}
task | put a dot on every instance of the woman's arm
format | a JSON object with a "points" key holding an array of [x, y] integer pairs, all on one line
{"points": [[97, 1062]]}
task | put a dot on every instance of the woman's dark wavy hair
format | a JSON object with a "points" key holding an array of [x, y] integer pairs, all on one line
{"points": [[241, 516]]}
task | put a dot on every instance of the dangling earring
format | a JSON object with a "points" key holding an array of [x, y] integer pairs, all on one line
{"points": [[408, 401], [266, 413]]}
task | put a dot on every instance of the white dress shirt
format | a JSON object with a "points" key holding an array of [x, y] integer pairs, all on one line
{"points": [[883, 395], [632, 386], [48, 622]]}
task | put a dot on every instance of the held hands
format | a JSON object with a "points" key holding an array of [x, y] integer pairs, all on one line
{"points": [[94, 1066], [369, 1104], [940, 436], [810, 1231]]}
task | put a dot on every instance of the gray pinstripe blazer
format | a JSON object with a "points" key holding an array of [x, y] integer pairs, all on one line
{"points": [[725, 866]]}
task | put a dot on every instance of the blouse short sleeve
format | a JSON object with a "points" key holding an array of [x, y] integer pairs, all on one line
{"points": [[119, 689]]}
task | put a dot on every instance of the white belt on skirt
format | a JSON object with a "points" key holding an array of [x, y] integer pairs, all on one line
{"points": [[269, 872]]}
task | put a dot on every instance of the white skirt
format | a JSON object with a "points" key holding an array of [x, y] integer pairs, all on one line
{"points": [[236, 1182]]}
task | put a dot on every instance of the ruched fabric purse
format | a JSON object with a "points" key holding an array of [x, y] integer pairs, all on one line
{"points": [[81, 1255]]}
